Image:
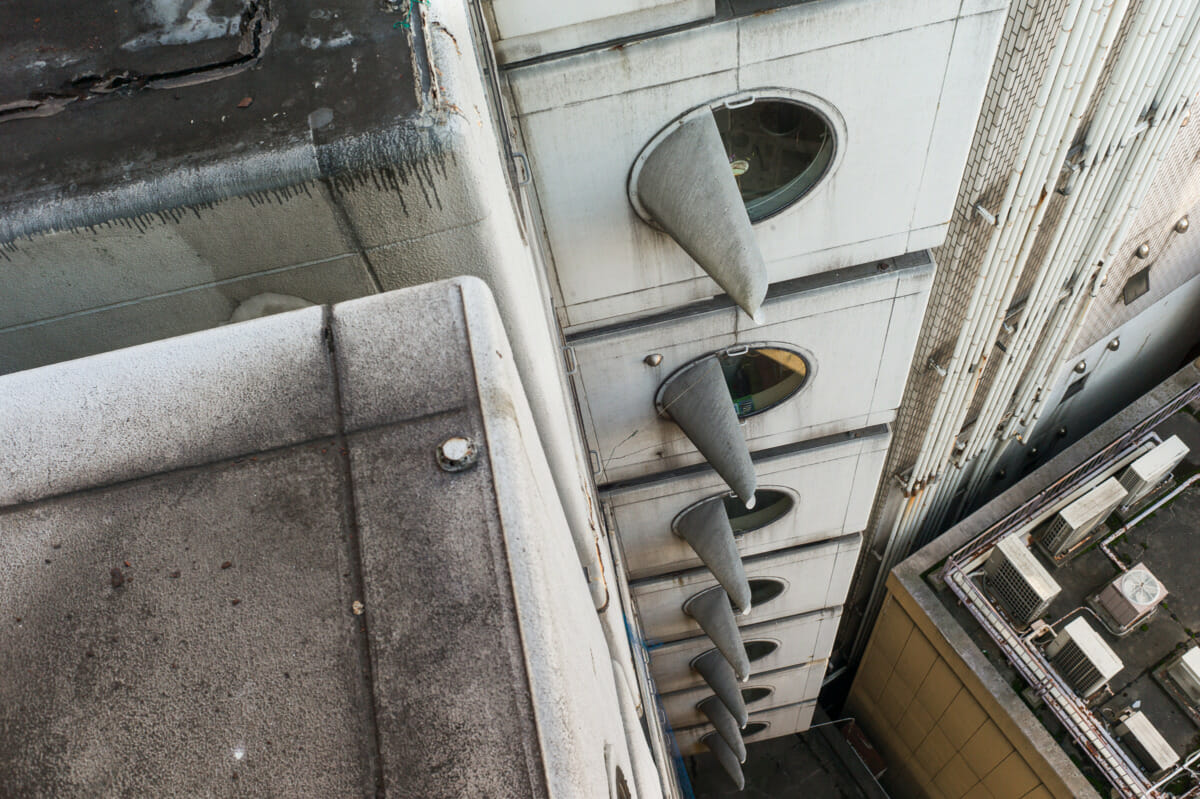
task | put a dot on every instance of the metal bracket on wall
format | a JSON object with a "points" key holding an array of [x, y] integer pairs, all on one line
{"points": [[526, 172], [570, 361], [985, 214]]}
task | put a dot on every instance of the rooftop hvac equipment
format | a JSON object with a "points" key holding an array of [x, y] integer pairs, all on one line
{"points": [[1145, 741], [1185, 673], [1127, 600], [1018, 581], [1075, 522], [1081, 657], [1152, 468]]}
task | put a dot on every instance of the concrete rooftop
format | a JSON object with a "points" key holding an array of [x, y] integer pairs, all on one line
{"points": [[231, 565], [1160, 542], [112, 94]]}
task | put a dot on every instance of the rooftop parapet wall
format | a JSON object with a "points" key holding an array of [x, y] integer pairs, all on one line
{"points": [[888, 676], [257, 551]]}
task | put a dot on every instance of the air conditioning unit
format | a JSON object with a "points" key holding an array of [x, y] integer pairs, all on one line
{"points": [[1152, 468], [1146, 742], [1075, 522], [1015, 578], [1185, 673], [1127, 600], [1082, 658]]}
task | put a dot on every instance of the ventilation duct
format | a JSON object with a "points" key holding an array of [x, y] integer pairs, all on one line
{"points": [[718, 715], [719, 676], [706, 528], [1075, 523], [1144, 740], [697, 399], [1082, 658], [1149, 471], [713, 612], [726, 757], [687, 187], [1018, 582]]}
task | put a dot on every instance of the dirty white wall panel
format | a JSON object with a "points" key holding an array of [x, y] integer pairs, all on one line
{"points": [[904, 126], [975, 41], [832, 487], [813, 577], [788, 687], [798, 639], [581, 156], [531, 28], [857, 335], [780, 721]]}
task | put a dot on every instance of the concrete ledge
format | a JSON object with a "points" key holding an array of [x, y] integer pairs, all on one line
{"points": [[163, 406]]}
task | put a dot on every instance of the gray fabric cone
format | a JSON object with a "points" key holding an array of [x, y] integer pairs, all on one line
{"points": [[698, 401], [718, 715], [717, 672], [726, 757], [714, 614], [688, 187], [706, 528]]}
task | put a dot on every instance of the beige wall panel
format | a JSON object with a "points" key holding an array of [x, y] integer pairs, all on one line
{"points": [[1012, 778], [986, 749], [941, 732]]}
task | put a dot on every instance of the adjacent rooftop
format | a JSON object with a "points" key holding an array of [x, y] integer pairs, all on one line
{"points": [[1115, 727]]}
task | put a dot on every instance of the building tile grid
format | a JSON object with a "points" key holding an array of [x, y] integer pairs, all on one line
{"points": [[1024, 48], [937, 738]]}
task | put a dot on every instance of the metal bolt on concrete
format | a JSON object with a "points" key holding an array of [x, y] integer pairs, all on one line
{"points": [[457, 454]]}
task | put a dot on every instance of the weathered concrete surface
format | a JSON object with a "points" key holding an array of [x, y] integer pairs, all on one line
{"points": [[178, 403], [153, 677], [336, 68], [191, 626]]}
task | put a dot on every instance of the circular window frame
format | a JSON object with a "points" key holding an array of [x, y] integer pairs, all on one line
{"points": [[741, 349], [770, 691], [823, 108], [790, 493], [775, 643], [766, 725], [777, 646], [785, 586]]}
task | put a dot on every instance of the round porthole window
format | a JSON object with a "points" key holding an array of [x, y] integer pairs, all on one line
{"points": [[778, 150], [757, 650], [750, 695], [770, 506], [763, 591], [759, 378]]}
